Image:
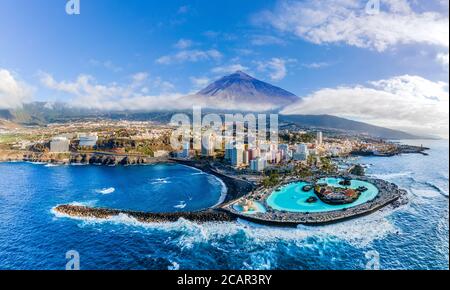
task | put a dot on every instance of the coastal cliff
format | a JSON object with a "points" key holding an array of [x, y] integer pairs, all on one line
{"points": [[77, 158]]}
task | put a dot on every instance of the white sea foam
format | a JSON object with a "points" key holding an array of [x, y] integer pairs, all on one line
{"points": [[223, 192], [52, 165], [79, 164], [158, 181], [427, 193], [391, 176], [106, 191], [193, 168], [436, 188], [198, 173], [118, 219], [181, 205], [358, 232], [89, 203], [174, 267]]}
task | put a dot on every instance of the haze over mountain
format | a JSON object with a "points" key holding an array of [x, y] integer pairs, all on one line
{"points": [[240, 91], [341, 124], [237, 92]]}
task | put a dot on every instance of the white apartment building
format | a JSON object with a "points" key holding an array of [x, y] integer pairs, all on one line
{"points": [[59, 145], [237, 157], [258, 165]]}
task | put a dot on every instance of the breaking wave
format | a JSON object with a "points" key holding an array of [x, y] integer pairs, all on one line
{"points": [[106, 191], [159, 181], [359, 232], [181, 205], [52, 165], [392, 176]]}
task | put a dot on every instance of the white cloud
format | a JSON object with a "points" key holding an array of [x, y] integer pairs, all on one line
{"points": [[261, 40], [222, 36], [346, 21], [163, 86], [442, 58], [316, 65], [85, 92], [190, 56], [139, 77], [200, 82], [276, 67], [409, 103], [108, 64], [228, 69], [183, 43], [244, 51], [13, 93]]}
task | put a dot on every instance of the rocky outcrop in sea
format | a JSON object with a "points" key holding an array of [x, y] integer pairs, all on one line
{"points": [[144, 217]]}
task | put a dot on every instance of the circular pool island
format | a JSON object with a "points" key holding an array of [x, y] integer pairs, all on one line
{"points": [[293, 197], [297, 202]]}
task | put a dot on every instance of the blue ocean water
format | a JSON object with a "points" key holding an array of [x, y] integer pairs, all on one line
{"points": [[415, 236]]}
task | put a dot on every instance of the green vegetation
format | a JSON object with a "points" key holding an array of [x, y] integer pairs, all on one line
{"points": [[311, 160], [272, 180], [303, 171], [327, 165], [9, 138], [61, 156], [17, 137], [293, 138], [145, 150], [129, 146]]}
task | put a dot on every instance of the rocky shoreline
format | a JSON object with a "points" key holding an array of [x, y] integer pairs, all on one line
{"points": [[401, 149], [78, 158]]}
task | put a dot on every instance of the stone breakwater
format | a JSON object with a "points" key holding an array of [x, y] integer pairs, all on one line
{"points": [[389, 194], [144, 217]]}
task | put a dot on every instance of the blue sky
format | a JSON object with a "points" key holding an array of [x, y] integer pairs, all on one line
{"points": [[176, 47]]}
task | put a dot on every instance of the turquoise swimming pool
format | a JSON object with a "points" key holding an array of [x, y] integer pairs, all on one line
{"points": [[259, 208], [292, 198]]}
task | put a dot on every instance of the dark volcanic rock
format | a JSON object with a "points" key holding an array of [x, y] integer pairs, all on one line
{"points": [[104, 213], [307, 188], [312, 199], [357, 170]]}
